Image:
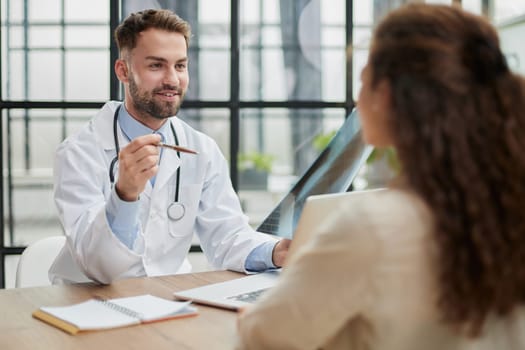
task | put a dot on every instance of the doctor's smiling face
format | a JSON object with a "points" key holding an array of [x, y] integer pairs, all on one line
{"points": [[155, 76]]}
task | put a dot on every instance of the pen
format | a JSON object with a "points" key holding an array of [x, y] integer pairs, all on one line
{"points": [[177, 148]]}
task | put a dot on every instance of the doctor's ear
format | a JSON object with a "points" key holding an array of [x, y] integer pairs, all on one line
{"points": [[121, 70]]}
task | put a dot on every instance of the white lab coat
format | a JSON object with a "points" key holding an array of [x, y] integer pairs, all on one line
{"points": [[82, 190]]}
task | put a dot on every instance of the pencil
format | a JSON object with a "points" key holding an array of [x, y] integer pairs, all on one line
{"points": [[177, 148]]}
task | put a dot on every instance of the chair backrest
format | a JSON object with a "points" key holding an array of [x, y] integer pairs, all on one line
{"points": [[36, 260]]}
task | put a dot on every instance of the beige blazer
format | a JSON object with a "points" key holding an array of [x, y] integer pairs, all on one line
{"points": [[366, 281]]}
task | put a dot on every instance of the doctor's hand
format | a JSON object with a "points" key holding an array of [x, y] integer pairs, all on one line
{"points": [[280, 250], [138, 162]]}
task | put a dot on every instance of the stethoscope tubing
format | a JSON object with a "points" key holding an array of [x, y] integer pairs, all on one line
{"points": [[173, 213]]}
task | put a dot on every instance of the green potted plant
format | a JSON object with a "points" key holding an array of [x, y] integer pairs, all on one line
{"points": [[382, 166], [254, 168], [389, 155], [323, 139]]}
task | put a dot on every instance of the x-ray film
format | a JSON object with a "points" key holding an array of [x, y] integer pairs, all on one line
{"points": [[332, 172]]}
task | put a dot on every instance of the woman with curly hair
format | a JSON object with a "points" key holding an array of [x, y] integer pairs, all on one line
{"points": [[437, 260]]}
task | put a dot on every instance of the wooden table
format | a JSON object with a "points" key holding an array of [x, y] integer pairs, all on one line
{"points": [[213, 328]]}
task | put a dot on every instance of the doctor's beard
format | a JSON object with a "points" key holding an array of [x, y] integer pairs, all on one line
{"points": [[145, 102]]}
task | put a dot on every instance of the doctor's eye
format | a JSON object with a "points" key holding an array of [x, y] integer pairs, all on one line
{"points": [[180, 66]]}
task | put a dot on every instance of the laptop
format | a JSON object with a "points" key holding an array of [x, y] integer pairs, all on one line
{"points": [[331, 173], [237, 293]]}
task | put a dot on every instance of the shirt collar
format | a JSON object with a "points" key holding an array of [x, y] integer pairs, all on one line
{"points": [[132, 128]]}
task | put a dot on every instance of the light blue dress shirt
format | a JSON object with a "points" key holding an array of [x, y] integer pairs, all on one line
{"points": [[123, 216]]}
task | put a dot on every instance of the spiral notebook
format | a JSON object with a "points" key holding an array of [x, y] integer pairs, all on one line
{"points": [[99, 314]]}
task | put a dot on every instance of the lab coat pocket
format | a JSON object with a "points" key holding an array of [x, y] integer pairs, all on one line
{"points": [[189, 198]]}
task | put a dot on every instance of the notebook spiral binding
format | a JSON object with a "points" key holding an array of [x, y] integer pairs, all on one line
{"points": [[121, 309]]}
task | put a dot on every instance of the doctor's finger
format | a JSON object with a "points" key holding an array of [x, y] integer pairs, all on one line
{"points": [[141, 141], [133, 175], [128, 158], [140, 174], [147, 162], [146, 151], [138, 162], [148, 173]]}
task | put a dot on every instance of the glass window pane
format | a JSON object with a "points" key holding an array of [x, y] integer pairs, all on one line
{"points": [[333, 12], [508, 10], [284, 134], [16, 138], [360, 57], [36, 71], [272, 84], [77, 118], [511, 37], [16, 36], [33, 135], [286, 60], [45, 135], [31, 202], [44, 10], [214, 122], [14, 74], [270, 10], [363, 12], [366, 14], [214, 11], [45, 36], [334, 64], [210, 62], [362, 37], [11, 264], [333, 36], [473, 6], [87, 75], [276, 147], [251, 11], [87, 36], [271, 36], [212, 38], [94, 11], [16, 10], [214, 75], [250, 72], [45, 75]]}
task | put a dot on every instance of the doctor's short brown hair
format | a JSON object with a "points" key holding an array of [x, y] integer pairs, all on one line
{"points": [[127, 32]]}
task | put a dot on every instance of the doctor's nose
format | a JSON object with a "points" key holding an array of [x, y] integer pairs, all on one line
{"points": [[171, 77]]}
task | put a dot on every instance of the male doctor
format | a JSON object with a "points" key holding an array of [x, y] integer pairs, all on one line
{"points": [[129, 207]]}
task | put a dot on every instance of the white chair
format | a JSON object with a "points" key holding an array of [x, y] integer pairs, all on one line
{"points": [[36, 260]]}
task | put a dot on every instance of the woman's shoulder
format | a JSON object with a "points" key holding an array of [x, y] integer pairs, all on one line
{"points": [[387, 211], [386, 202]]}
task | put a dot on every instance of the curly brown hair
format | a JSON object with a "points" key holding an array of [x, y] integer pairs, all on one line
{"points": [[458, 123]]}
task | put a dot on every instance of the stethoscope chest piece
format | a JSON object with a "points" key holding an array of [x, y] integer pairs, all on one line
{"points": [[176, 211]]}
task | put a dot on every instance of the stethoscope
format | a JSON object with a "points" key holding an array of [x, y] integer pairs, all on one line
{"points": [[176, 209]]}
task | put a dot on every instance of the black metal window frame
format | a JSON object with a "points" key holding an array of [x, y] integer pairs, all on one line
{"points": [[234, 105]]}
